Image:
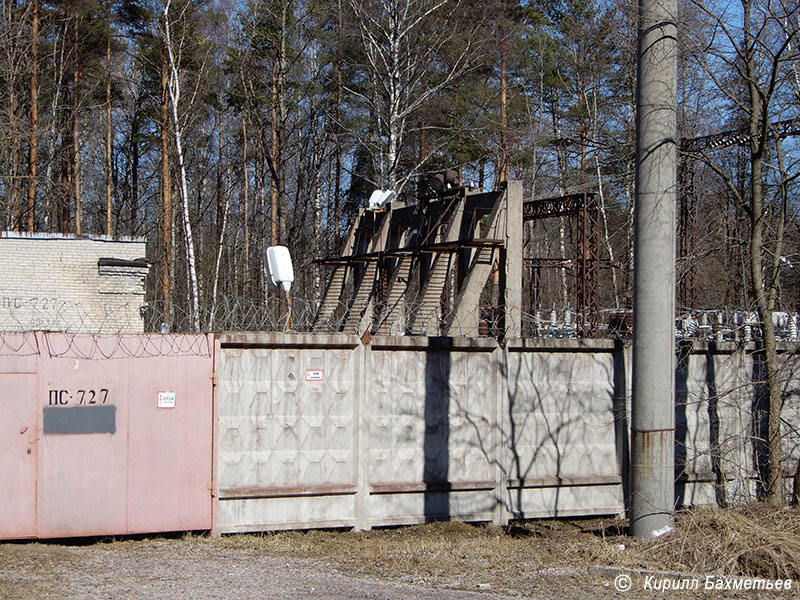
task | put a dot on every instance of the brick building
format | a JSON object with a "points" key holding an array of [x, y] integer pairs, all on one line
{"points": [[75, 284]]}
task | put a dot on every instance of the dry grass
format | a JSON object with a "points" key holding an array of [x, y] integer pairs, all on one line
{"points": [[757, 542], [537, 559]]}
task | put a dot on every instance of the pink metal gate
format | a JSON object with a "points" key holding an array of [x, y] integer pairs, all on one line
{"points": [[18, 437], [105, 435]]}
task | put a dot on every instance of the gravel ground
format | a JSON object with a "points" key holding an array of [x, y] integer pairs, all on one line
{"points": [[200, 570], [342, 566]]}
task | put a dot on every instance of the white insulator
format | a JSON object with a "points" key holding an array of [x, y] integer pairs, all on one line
{"points": [[691, 327], [780, 320]]}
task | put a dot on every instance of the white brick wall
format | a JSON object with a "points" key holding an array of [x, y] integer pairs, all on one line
{"points": [[53, 282]]}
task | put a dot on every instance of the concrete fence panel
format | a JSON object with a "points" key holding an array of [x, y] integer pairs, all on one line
{"points": [[287, 426], [561, 424], [432, 429]]}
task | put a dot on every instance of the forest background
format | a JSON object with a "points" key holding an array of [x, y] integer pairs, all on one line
{"points": [[215, 129]]}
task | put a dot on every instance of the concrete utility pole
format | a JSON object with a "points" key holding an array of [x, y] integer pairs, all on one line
{"points": [[653, 410]]}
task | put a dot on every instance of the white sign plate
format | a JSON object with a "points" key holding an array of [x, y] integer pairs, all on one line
{"points": [[166, 399], [315, 375]]}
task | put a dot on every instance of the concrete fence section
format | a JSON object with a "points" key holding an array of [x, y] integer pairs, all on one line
{"points": [[106, 435], [287, 431], [323, 431]]}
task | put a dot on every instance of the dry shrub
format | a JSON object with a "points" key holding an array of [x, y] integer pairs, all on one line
{"points": [[756, 542]]}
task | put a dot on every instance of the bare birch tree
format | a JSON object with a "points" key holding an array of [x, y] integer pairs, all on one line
{"points": [[174, 89], [403, 41]]}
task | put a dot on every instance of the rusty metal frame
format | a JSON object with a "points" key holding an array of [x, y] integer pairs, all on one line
{"points": [[692, 149], [383, 244], [583, 208], [435, 248]]}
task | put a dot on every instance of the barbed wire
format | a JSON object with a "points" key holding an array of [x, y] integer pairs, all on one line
{"points": [[36, 314], [104, 346], [126, 321], [718, 325], [19, 344]]}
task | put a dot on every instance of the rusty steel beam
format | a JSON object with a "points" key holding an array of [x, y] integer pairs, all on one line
{"points": [[554, 207], [588, 245], [438, 247], [738, 137]]}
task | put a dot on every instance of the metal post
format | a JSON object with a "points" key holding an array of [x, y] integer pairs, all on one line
{"points": [[653, 416]]}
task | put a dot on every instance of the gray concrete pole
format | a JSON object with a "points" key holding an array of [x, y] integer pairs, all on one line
{"points": [[653, 408]]}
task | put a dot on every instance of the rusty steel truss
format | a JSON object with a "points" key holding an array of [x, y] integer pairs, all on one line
{"points": [[691, 150], [584, 210], [426, 268]]}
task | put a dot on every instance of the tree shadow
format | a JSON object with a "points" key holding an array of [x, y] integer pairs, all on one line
{"points": [[436, 443], [760, 422], [550, 417], [720, 493], [621, 424], [681, 428]]}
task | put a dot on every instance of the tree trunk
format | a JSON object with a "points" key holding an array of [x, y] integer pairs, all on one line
{"points": [[109, 125], [502, 162], [223, 202], [562, 246], [273, 186], [14, 221], [758, 115], [65, 194], [52, 196], [339, 95], [220, 175], [281, 89], [246, 183], [174, 88], [33, 155], [134, 175], [218, 262], [594, 115], [75, 154], [166, 194]]}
